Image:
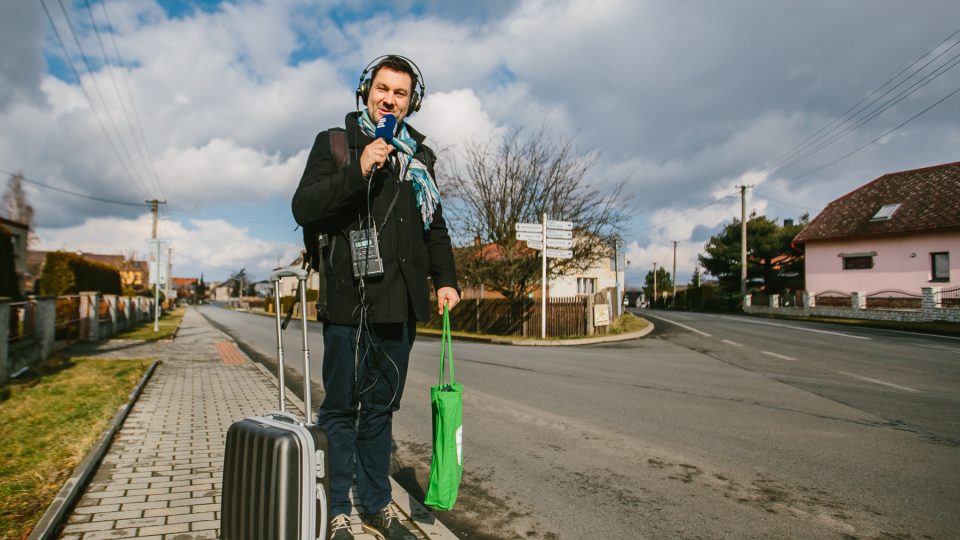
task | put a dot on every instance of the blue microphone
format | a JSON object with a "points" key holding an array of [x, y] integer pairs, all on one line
{"points": [[385, 128]]}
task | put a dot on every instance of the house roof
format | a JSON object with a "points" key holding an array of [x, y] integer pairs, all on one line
{"points": [[927, 200], [183, 281]]}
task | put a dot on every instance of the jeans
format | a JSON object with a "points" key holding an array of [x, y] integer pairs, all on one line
{"points": [[362, 446]]}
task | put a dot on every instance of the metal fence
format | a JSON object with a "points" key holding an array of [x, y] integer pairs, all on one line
{"points": [[833, 299], [67, 325], [950, 297], [894, 299], [23, 321]]}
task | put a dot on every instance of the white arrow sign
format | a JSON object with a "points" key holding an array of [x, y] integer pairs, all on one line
{"points": [[536, 236], [560, 225], [529, 227], [559, 253], [534, 244], [559, 243], [559, 234]]}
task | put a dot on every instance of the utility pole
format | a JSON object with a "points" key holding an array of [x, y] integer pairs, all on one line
{"points": [[169, 272], [674, 275], [155, 207], [743, 241], [616, 277]]}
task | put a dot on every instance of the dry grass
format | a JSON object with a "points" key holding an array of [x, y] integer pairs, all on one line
{"points": [[168, 324], [52, 418], [628, 323]]}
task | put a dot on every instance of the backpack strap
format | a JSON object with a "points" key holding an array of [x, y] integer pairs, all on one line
{"points": [[313, 238]]}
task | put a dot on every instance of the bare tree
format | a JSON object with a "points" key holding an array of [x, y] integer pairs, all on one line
{"points": [[15, 201], [518, 179]]}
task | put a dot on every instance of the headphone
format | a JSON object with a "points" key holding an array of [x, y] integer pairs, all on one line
{"points": [[366, 82]]}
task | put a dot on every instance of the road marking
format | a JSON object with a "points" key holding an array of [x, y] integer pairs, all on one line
{"points": [[780, 356], [728, 342], [679, 324], [748, 321], [878, 381]]}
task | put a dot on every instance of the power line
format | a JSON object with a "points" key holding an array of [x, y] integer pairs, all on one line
{"points": [[83, 57], [682, 214], [845, 156], [83, 89], [950, 64], [147, 163], [133, 102], [68, 192], [844, 119]]}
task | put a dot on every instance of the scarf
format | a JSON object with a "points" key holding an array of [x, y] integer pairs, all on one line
{"points": [[411, 169]]}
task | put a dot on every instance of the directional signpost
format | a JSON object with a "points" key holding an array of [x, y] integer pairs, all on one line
{"points": [[554, 239]]}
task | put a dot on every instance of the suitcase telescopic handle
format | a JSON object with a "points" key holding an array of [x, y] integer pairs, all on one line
{"points": [[301, 275]]}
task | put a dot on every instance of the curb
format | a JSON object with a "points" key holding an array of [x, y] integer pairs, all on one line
{"points": [[58, 511], [529, 342], [548, 342], [419, 515]]}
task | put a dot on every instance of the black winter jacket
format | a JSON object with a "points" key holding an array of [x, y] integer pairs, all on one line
{"points": [[335, 200]]}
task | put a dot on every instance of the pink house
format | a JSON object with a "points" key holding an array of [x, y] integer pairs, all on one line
{"points": [[899, 232]]}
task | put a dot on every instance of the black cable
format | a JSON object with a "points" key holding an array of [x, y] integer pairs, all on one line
{"points": [[74, 193]]}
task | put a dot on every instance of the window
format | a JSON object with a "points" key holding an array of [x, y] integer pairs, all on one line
{"points": [[586, 285], [940, 266], [857, 262], [886, 212]]}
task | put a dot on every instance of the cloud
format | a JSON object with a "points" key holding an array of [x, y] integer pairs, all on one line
{"points": [[213, 247]]}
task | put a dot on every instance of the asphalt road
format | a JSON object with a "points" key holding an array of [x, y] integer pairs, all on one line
{"points": [[724, 427]]}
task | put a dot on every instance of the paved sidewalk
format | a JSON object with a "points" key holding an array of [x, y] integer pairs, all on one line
{"points": [[161, 478]]}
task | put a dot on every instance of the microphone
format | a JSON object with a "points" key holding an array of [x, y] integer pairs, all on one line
{"points": [[385, 128]]}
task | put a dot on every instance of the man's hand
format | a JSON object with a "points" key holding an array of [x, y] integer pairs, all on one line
{"points": [[374, 154], [449, 296]]}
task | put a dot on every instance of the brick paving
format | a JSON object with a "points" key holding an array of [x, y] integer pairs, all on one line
{"points": [[162, 475]]}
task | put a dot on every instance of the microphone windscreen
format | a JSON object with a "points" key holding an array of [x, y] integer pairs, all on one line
{"points": [[385, 127]]}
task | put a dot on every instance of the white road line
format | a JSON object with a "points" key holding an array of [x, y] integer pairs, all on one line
{"points": [[679, 324], [878, 381], [780, 356], [749, 321], [728, 342]]}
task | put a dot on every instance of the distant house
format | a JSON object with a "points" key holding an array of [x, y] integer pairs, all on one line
{"points": [[598, 277], [899, 232], [222, 292], [183, 287], [19, 232]]}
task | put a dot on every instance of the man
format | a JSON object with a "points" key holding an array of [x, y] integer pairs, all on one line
{"points": [[389, 190]]}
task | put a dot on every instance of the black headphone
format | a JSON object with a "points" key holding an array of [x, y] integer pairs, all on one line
{"points": [[363, 89]]}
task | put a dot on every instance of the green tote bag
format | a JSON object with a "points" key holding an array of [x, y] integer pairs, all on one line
{"points": [[446, 468]]}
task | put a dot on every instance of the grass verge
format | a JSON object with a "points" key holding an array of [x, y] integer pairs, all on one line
{"points": [[53, 417], [168, 323], [628, 323]]}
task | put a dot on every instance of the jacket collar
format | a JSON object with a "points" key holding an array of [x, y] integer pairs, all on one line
{"points": [[358, 138]]}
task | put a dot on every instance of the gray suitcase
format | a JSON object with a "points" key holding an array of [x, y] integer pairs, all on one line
{"points": [[275, 466]]}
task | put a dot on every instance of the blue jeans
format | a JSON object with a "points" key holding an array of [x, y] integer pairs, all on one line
{"points": [[362, 448]]}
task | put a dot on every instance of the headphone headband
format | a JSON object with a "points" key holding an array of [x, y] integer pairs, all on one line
{"points": [[363, 87]]}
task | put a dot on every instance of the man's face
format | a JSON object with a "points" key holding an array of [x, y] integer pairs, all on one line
{"points": [[389, 94]]}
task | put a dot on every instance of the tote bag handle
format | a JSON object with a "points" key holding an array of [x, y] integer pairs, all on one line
{"points": [[446, 346]]}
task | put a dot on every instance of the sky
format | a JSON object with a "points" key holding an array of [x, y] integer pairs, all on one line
{"points": [[213, 107]]}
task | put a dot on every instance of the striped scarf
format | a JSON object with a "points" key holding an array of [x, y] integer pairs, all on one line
{"points": [[411, 169]]}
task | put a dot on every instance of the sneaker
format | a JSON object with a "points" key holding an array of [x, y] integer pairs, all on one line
{"points": [[340, 528], [385, 525]]}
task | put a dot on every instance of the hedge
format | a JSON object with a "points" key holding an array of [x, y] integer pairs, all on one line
{"points": [[69, 273]]}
